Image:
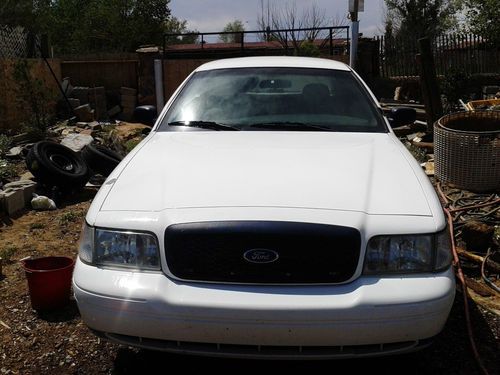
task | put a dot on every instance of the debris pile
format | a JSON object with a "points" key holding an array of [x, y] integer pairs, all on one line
{"points": [[70, 157], [476, 224]]}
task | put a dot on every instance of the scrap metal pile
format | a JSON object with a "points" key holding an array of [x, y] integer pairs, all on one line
{"points": [[476, 226]]}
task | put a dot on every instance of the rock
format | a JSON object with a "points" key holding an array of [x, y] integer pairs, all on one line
{"points": [[27, 176], [88, 132], [77, 142], [67, 131], [82, 124], [94, 125], [127, 130], [14, 152], [478, 236], [429, 168], [42, 203]]}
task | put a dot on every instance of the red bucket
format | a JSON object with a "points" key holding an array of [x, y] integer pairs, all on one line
{"points": [[49, 281]]}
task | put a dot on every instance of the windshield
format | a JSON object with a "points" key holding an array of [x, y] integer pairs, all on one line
{"points": [[274, 99]]}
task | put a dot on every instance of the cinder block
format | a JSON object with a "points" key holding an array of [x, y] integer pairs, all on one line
{"points": [[81, 93], [84, 113], [114, 111], [99, 90], [128, 101], [13, 200], [28, 191], [128, 91], [74, 102]]}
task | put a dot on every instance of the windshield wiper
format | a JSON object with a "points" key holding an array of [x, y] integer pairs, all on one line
{"points": [[203, 124], [289, 126]]}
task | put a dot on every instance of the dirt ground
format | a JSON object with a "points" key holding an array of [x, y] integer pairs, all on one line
{"points": [[59, 343]]}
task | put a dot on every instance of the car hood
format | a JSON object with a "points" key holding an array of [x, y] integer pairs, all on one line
{"points": [[365, 172]]}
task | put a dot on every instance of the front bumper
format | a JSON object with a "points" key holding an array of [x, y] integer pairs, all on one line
{"points": [[150, 310]]}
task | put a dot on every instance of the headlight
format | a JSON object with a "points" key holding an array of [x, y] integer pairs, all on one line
{"points": [[117, 248], [408, 254]]}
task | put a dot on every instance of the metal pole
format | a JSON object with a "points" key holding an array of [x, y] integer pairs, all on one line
{"points": [[353, 53], [159, 85]]}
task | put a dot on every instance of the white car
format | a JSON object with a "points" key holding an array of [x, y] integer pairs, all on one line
{"points": [[270, 213]]}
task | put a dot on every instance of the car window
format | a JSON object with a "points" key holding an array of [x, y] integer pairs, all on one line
{"points": [[246, 97]]}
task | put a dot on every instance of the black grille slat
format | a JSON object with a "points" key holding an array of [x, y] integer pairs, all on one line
{"points": [[308, 253]]}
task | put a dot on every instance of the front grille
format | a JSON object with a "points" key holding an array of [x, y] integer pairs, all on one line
{"points": [[263, 351], [306, 253]]}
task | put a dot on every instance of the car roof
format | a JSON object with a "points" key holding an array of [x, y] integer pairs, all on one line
{"points": [[275, 61]]}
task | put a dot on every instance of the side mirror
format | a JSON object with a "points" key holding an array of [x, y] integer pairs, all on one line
{"points": [[145, 114], [402, 116]]}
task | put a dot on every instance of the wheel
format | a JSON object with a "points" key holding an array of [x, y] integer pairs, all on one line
{"points": [[101, 159], [56, 165]]}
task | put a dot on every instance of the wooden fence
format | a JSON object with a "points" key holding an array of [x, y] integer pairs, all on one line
{"points": [[13, 112], [112, 74], [471, 54]]}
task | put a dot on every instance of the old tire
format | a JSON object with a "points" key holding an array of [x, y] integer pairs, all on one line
{"points": [[101, 159], [56, 165]]}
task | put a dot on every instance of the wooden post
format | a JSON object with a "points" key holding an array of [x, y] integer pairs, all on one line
{"points": [[429, 83]]}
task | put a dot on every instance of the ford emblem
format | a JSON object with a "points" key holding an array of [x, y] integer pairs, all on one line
{"points": [[261, 256]]}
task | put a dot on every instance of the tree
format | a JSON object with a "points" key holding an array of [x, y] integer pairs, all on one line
{"points": [[235, 27], [94, 25], [115, 25], [419, 18], [177, 26], [483, 19], [276, 17]]}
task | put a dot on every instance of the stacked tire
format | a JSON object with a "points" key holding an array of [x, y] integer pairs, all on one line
{"points": [[55, 165], [101, 159]]}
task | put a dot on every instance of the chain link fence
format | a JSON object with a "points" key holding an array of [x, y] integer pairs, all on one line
{"points": [[16, 42]]}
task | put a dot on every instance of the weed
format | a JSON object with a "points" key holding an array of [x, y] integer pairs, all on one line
{"points": [[34, 226], [68, 217], [33, 98], [130, 144], [4, 144], [7, 252], [7, 170], [417, 152]]}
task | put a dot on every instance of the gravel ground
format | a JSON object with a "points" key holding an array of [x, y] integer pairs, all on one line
{"points": [[59, 343]]}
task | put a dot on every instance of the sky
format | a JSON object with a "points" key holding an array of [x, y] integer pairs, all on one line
{"points": [[213, 15]]}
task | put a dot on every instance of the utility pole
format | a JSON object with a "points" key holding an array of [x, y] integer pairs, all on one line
{"points": [[355, 6]]}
